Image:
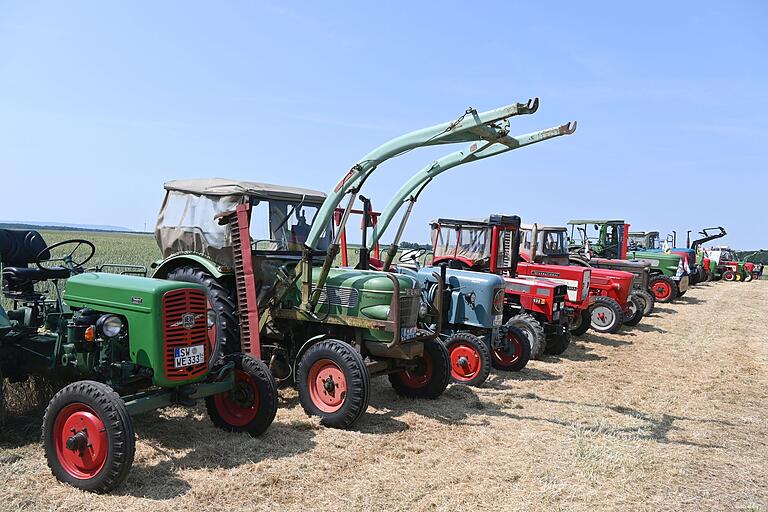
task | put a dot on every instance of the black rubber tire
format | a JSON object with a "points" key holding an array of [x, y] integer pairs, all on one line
{"points": [[266, 387], [670, 282], [581, 324], [729, 275], [482, 352], [121, 439], [558, 343], [748, 277], [355, 372], [441, 373], [636, 307], [533, 329], [521, 339], [613, 308], [647, 299], [224, 304]]}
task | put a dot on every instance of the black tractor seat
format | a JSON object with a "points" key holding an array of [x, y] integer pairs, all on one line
{"points": [[20, 275]]}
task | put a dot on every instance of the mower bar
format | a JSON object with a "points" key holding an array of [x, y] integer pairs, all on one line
{"points": [[471, 153], [470, 126]]}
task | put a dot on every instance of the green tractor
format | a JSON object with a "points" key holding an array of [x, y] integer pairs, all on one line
{"points": [[265, 255], [610, 238], [127, 344]]}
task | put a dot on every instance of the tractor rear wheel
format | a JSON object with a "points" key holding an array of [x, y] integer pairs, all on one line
{"points": [[88, 437], [664, 288], [729, 275], [635, 311], [470, 358], [581, 322], [513, 349], [334, 383], [224, 334], [606, 315], [533, 330], [250, 406], [557, 344], [430, 376]]}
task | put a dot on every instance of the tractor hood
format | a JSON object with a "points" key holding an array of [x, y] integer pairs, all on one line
{"points": [[669, 264]]}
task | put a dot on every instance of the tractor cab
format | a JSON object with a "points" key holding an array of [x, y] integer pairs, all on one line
{"points": [[641, 241], [602, 238]]}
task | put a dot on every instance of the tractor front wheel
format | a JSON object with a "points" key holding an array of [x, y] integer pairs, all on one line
{"points": [[606, 315], [513, 349], [580, 322], [533, 329], [647, 300], [729, 275], [429, 377], [334, 383], [664, 288], [88, 437], [635, 311], [556, 344], [250, 406], [470, 358]]}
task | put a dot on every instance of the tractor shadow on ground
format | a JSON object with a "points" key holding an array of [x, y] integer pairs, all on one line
{"points": [[614, 341], [658, 309], [652, 429], [203, 446], [685, 299], [649, 328]]}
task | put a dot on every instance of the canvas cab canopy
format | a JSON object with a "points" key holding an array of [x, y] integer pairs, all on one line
{"points": [[281, 216]]}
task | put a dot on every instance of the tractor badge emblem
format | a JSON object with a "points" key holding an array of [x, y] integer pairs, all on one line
{"points": [[187, 321]]}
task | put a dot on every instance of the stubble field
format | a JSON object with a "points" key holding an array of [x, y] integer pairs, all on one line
{"points": [[670, 415]]}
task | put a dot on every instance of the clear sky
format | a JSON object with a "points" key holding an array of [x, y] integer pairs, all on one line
{"points": [[103, 101]]}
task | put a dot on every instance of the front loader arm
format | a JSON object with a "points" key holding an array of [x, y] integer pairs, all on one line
{"points": [[473, 152], [471, 126], [707, 237]]}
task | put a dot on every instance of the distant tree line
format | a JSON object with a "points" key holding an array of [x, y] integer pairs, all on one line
{"points": [[759, 257], [415, 245]]}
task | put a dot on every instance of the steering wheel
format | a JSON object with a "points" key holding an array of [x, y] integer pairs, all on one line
{"points": [[69, 259], [412, 255]]}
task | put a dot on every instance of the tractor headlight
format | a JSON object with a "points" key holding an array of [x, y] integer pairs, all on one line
{"points": [[109, 325], [423, 310], [211, 318]]}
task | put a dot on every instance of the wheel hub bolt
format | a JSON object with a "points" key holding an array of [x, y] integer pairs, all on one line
{"points": [[329, 385], [463, 361], [77, 442]]}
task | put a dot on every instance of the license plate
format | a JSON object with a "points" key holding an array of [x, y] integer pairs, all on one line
{"points": [[497, 320], [407, 333], [188, 356]]}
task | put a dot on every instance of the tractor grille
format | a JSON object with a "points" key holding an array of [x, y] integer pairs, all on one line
{"points": [[339, 296], [184, 325], [409, 310]]}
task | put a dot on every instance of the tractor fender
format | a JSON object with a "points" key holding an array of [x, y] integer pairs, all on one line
{"points": [[311, 341], [161, 268]]}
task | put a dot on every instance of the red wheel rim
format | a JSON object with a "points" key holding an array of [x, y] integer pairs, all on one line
{"points": [[81, 442], [466, 362], [510, 351], [662, 290], [421, 375], [239, 406], [327, 385]]}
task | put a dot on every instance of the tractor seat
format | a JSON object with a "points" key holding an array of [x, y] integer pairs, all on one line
{"points": [[17, 276]]}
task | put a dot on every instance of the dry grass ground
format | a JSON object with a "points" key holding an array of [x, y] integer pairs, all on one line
{"points": [[668, 416]]}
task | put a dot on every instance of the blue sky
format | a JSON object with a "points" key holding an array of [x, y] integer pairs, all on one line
{"points": [[101, 102]]}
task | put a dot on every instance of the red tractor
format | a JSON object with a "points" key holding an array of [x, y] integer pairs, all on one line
{"points": [[612, 302], [491, 245]]}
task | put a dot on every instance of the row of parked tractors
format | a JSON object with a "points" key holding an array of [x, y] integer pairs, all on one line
{"points": [[258, 289]]}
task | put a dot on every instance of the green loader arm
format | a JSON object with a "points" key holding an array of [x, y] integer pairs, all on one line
{"points": [[410, 191], [471, 126], [491, 126]]}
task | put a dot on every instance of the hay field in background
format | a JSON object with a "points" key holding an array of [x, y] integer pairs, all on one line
{"points": [[672, 415]]}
